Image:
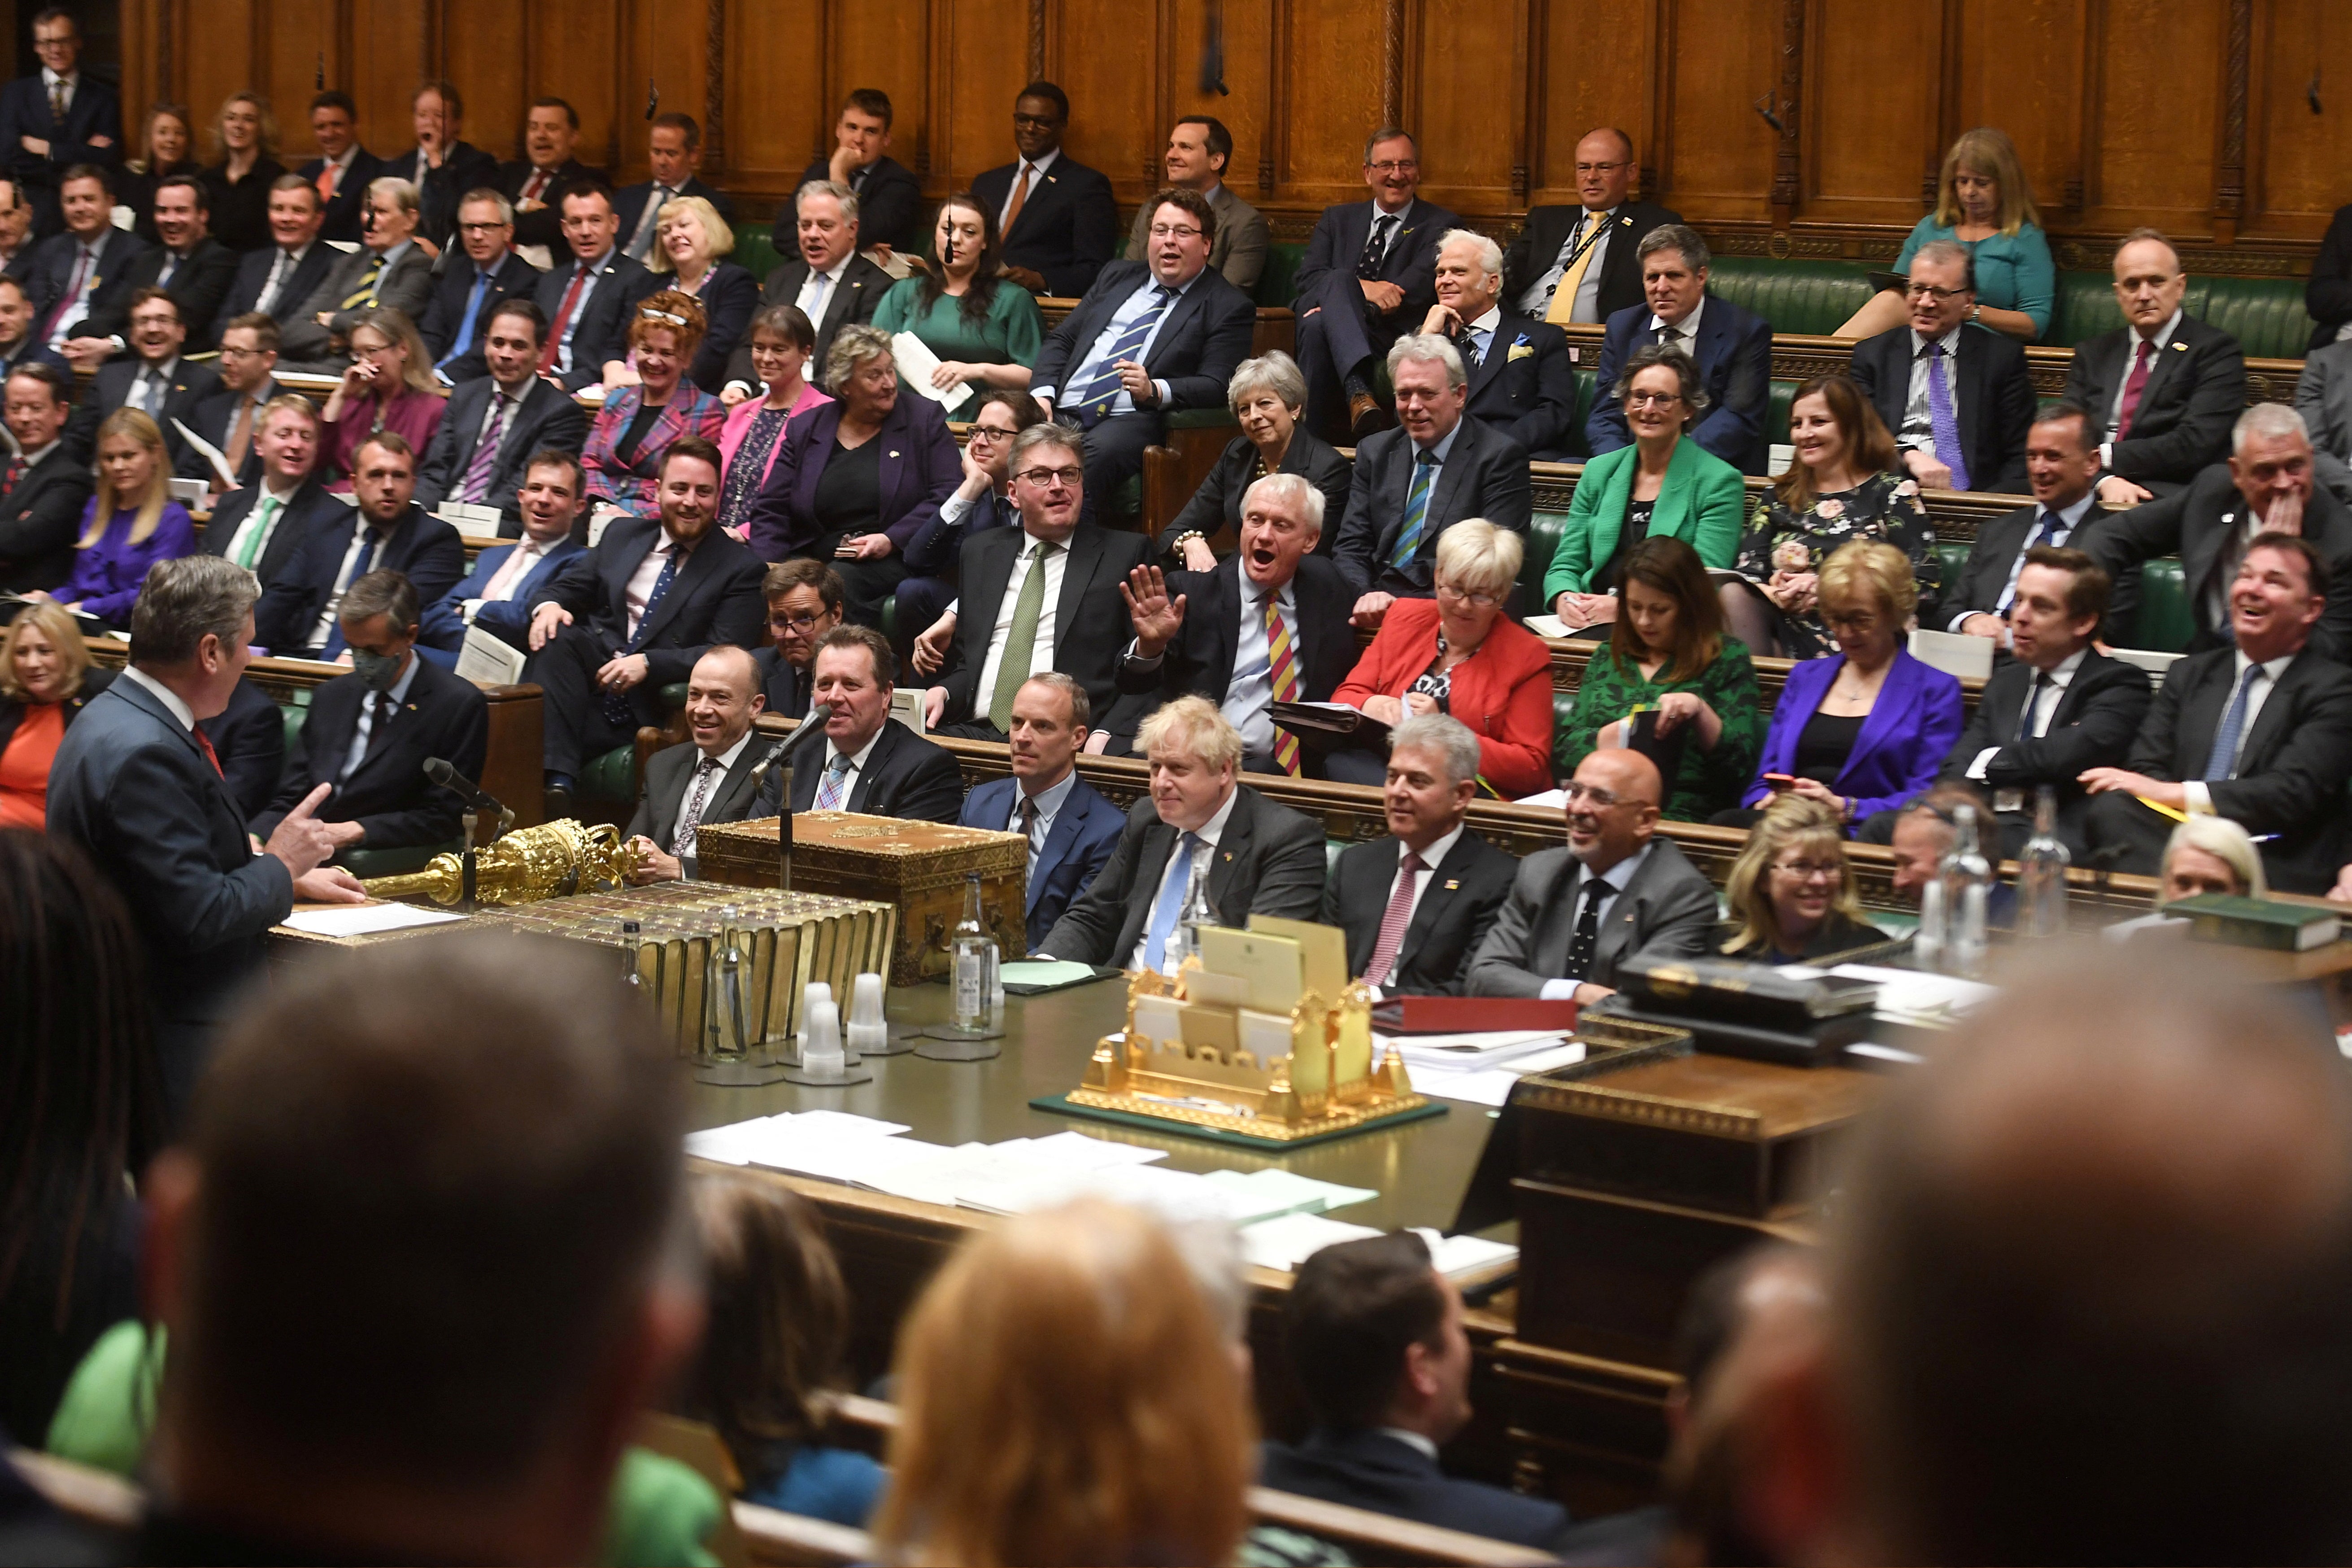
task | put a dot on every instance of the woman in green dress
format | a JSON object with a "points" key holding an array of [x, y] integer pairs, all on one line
{"points": [[985, 332], [1667, 655]]}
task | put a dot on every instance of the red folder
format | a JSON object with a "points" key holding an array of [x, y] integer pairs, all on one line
{"points": [[1470, 1014]]}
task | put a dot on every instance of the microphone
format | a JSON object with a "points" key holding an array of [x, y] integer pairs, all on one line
{"points": [[439, 771], [812, 725]]}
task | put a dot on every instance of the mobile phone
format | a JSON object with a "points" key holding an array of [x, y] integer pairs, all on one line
{"points": [[1779, 780]]}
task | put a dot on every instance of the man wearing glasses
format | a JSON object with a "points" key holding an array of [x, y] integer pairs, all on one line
{"points": [[1954, 394], [804, 600], [490, 273], [983, 501], [1151, 337], [1580, 263], [1057, 217], [1367, 277]]}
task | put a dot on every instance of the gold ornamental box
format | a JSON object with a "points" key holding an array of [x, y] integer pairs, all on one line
{"points": [[917, 868]]}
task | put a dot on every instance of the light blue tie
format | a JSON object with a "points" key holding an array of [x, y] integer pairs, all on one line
{"points": [[1416, 509], [2222, 761], [1172, 903], [829, 788], [465, 327], [1104, 388]]}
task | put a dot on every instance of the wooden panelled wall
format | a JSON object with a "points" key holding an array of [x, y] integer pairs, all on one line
{"points": [[1797, 126]]}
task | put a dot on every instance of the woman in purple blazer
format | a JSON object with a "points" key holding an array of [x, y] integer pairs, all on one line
{"points": [[1865, 728], [129, 524], [856, 480]]}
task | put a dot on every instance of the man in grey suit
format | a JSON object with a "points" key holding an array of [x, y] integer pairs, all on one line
{"points": [[1575, 914], [1200, 828], [389, 271], [2322, 396], [1199, 150], [709, 778]]}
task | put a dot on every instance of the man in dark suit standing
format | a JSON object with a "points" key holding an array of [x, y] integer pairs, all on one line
{"points": [[155, 377], [1416, 481], [674, 158], [1070, 827], [443, 165], [342, 169], [804, 601], [712, 776], [369, 733], [832, 284], [299, 615], [1578, 263], [1150, 338], [1269, 624], [1415, 904], [2164, 386], [262, 526], [631, 615], [279, 279], [495, 422], [1955, 395], [536, 181], [1199, 830], [508, 579], [135, 786], [197, 269], [61, 116], [389, 271], [1057, 217], [889, 197], [1522, 373], [2260, 732], [229, 419], [2061, 463], [1618, 888], [1368, 277], [1040, 597], [45, 487], [869, 764], [1732, 348], [86, 268], [488, 274], [587, 296]]}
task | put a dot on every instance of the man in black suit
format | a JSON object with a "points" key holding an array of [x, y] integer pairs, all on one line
{"points": [[1269, 623], [494, 423], [298, 616], [982, 501], [1198, 831], [2164, 386], [1012, 577], [1955, 395], [84, 269], [1375, 1334], [1414, 483], [868, 763], [1732, 348], [279, 279], [248, 736], [587, 296], [1150, 338], [45, 487], [804, 601], [342, 169], [889, 197], [59, 118], [487, 274], [2260, 732], [674, 158], [1415, 904], [1071, 829], [229, 419], [18, 343], [536, 181], [261, 526], [368, 733], [443, 165], [16, 229], [133, 788], [154, 377], [389, 271], [2062, 464], [712, 776], [2266, 486], [1058, 223], [2057, 710], [197, 269], [1522, 373], [1580, 263], [631, 616], [1368, 276], [832, 283]]}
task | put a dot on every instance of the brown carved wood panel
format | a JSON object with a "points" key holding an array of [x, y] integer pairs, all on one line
{"points": [[2299, 158], [2157, 69], [1596, 61], [1870, 126], [1719, 56], [2021, 68]]}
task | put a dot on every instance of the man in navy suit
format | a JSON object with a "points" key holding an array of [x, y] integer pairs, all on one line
{"points": [[261, 526], [712, 776], [59, 118], [87, 266], [983, 501], [1732, 348], [47, 488], [889, 195], [674, 157], [1586, 249], [870, 762], [1375, 1334], [587, 296], [831, 283], [342, 169], [623, 620], [473, 285], [1057, 217], [498, 594], [278, 279], [1955, 395], [155, 377], [495, 422], [197, 269], [137, 789], [298, 615], [536, 181], [1149, 338], [1370, 275], [1071, 828], [1522, 373]]}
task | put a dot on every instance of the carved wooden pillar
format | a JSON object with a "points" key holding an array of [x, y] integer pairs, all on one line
{"points": [[1791, 91], [1526, 93], [1036, 39], [1277, 95], [1392, 63], [2229, 179], [714, 87]]}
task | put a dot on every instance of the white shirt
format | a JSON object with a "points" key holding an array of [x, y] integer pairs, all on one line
{"points": [[165, 694], [595, 267], [1386, 226], [252, 521], [1613, 879], [724, 764], [51, 79], [1918, 431], [1036, 167], [1416, 1441], [1536, 301], [857, 765], [1041, 653], [89, 266], [1131, 310], [2064, 522], [2198, 800], [281, 271], [324, 626], [399, 694], [642, 580], [2131, 355], [1431, 858], [151, 387], [502, 396], [1202, 855], [2241, 525], [512, 573], [2045, 696], [1049, 801], [1684, 334], [817, 289], [1482, 331]]}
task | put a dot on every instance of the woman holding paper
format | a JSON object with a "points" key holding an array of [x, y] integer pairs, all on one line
{"points": [[985, 332], [129, 524]]}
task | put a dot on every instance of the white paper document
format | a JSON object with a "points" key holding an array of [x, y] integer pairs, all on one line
{"points": [[916, 361], [1299, 1195], [1491, 1085], [366, 920], [1282, 1245], [1547, 627], [1953, 653], [210, 453], [490, 659]]}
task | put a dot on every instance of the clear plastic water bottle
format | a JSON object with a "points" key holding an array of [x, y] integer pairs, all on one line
{"points": [[974, 970], [724, 1032], [1197, 913], [2041, 871], [1965, 882], [630, 943]]}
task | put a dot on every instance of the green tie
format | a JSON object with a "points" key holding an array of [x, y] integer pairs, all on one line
{"points": [[1020, 642], [365, 293], [252, 546]]}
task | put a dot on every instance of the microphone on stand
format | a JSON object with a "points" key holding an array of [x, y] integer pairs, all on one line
{"points": [[477, 798], [781, 755]]}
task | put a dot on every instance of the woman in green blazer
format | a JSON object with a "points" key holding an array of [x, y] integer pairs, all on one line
{"points": [[1661, 487]]}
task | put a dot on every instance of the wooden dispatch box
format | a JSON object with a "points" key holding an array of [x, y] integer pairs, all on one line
{"points": [[918, 867]]}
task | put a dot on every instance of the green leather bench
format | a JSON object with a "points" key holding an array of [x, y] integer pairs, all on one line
{"points": [[1795, 297], [2265, 314]]}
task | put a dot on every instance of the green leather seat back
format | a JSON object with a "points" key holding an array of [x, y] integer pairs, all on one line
{"points": [[2164, 622], [1776, 412], [2265, 314], [1953, 558], [294, 711], [755, 251], [614, 775], [1544, 530], [1794, 296], [1277, 286]]}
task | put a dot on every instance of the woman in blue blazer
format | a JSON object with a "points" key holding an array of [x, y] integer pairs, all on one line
{"points": [[1866, 729], [1663, 485]]}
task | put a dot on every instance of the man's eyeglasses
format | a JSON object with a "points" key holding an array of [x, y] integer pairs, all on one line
{"points": [[1929, 291], [1168, 231], [802, 624], [992, 433], [479, 227], [1575, 790], [1041, 478], [1395, 166], [1476, 601]]}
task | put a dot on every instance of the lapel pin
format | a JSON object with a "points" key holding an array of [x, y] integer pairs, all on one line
{"points": [[2178, 347], [1229, 855], [1452, 886], [894, 454]]}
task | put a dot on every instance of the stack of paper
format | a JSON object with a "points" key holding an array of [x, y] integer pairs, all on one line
{"points": [[1492, 1085], [365, 919], [1462, 1053], [1914, 996], [1284, 1244]]}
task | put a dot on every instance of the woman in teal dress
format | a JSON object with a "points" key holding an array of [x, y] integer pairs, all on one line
{"points": [[1667, 655], [1982, 202], [985, 332]]}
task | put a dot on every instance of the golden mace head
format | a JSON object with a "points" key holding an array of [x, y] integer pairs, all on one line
{"points": [[525, 866]]}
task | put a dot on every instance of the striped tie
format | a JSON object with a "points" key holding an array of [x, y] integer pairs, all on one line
{"points": [[1103, 390], [365, 293], [1416, 511], [1394, 921], [1281, 659], [832, 788]]}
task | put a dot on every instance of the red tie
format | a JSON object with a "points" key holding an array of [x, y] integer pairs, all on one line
{"points": [[205, 744], [1393, 923], [548, 355], [2133, 385], [537, 184]]}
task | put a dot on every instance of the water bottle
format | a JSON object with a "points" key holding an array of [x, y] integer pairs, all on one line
{"points": [[1197, 914], [1966, 883], [2041, 871], [724, 1033], [630, 943], [974, 969]]}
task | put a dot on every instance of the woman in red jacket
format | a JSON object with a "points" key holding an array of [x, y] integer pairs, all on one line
{"points": [[1458, 654]]}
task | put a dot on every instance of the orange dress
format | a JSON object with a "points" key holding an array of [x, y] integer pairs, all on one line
{"points": [[25, 765]]}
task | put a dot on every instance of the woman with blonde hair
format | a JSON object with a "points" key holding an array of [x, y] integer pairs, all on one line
{"points": [[1066, 1396], [690, 237], [245, 139], [45, 679], [1791, 892], [1984, 204], [129, 525], [389, 386], [638, 422], [2212, 855]]}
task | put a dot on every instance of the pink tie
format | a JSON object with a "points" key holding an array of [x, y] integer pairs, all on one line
{"points": [[510, 573], [1392, 924]]}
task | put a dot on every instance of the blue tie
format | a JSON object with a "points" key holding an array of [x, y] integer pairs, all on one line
{"points": [[1172, 903], [369, 539], [2223, 757], [2045, 526], [1942, 421], [1416, 509], [617, 703], [1104, 389], [465, 327]]}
